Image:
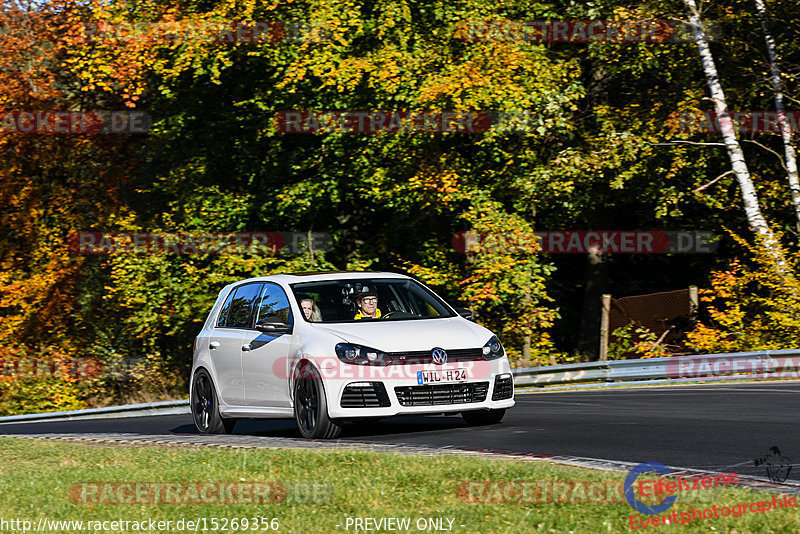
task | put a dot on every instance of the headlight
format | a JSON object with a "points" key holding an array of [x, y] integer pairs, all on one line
{"points": [[360, 355], [493, 349]]}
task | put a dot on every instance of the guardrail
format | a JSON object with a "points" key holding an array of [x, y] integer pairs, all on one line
{"points": [[126, 410], [675, 369]]}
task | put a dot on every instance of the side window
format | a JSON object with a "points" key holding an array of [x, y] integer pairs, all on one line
{"points": [[223, 314], [238, 306], [420, 303], [274, 303]]}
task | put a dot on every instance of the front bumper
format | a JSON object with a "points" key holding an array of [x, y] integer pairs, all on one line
{"points": [[396, 389]]}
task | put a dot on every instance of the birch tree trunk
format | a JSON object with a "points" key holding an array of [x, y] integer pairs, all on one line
{"points": [[735, 153], [786, 132]]}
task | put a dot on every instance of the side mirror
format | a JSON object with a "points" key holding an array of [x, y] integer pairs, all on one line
{"points": [[465, 313], [273, 325]]}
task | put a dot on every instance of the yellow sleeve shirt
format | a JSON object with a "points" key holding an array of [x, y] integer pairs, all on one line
{"points": [[360, 315]]}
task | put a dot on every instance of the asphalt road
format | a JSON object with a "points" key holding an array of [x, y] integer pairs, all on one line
{"points": [[721, 427]]}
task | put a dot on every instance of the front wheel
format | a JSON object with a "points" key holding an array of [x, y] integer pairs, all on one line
{"points": [[205, 409], [483, 417], [311, 407]]}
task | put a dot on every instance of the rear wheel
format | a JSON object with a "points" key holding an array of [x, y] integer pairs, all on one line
{"points": [[205, 409], [483, 417], [311, 407]]}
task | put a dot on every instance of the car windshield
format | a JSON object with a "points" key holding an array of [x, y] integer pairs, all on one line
{"points": [[337, 301]]}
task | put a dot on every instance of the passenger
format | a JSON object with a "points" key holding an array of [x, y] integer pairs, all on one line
{"points": [[311, 310], [368, 305]]}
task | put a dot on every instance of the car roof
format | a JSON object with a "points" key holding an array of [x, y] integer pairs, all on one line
{"points": [[313, 276]]}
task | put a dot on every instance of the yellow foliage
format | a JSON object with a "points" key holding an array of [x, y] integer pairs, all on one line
{"points": [[750, 307]]}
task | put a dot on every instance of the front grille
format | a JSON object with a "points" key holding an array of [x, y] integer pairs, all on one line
{"points": [[365, 395], [424, 356], [503, 388], [442, 394]]}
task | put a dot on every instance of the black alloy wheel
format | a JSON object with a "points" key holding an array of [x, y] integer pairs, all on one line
{"points": [[205, 409], [311, 408]]}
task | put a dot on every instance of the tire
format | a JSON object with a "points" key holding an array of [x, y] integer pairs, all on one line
{"points": [[205, 408], [483, 417], [311, 406]]}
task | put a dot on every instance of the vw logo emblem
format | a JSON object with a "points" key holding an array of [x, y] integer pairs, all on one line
{"points": [[439, 356]]}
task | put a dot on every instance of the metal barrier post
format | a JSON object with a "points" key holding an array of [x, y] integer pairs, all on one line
{"points": [[604, 327]]}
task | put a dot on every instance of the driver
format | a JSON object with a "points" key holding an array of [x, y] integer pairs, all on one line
{"points": [[368, 305]]}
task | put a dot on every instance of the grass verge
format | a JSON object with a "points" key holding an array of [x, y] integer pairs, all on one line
{"points": [[320, 491]]}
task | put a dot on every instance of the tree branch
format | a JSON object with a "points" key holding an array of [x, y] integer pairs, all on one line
{"points": [[768, 149], [672, 143], [713, 181]]}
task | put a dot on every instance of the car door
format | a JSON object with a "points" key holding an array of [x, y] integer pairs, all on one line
{"points": [[264, 365], [225, 343]]}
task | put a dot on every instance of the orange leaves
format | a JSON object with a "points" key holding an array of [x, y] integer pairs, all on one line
{"points": [[481, 293], [26, 58], [107, 51], [50, 185]]}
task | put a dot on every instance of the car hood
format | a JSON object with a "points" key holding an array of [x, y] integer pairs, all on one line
{"points": [[420, 334]]}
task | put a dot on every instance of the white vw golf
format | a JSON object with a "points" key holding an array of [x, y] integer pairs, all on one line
{"points": [[327, 347]]}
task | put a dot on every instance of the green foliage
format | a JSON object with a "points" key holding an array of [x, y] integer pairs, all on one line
{"points": [[506, 280], [633, 341], [600, 151]]}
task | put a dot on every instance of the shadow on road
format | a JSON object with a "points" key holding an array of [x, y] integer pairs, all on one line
{"points": [[358, 429]]}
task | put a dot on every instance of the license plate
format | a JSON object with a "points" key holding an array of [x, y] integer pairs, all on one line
{"points": [[443, 375]]}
